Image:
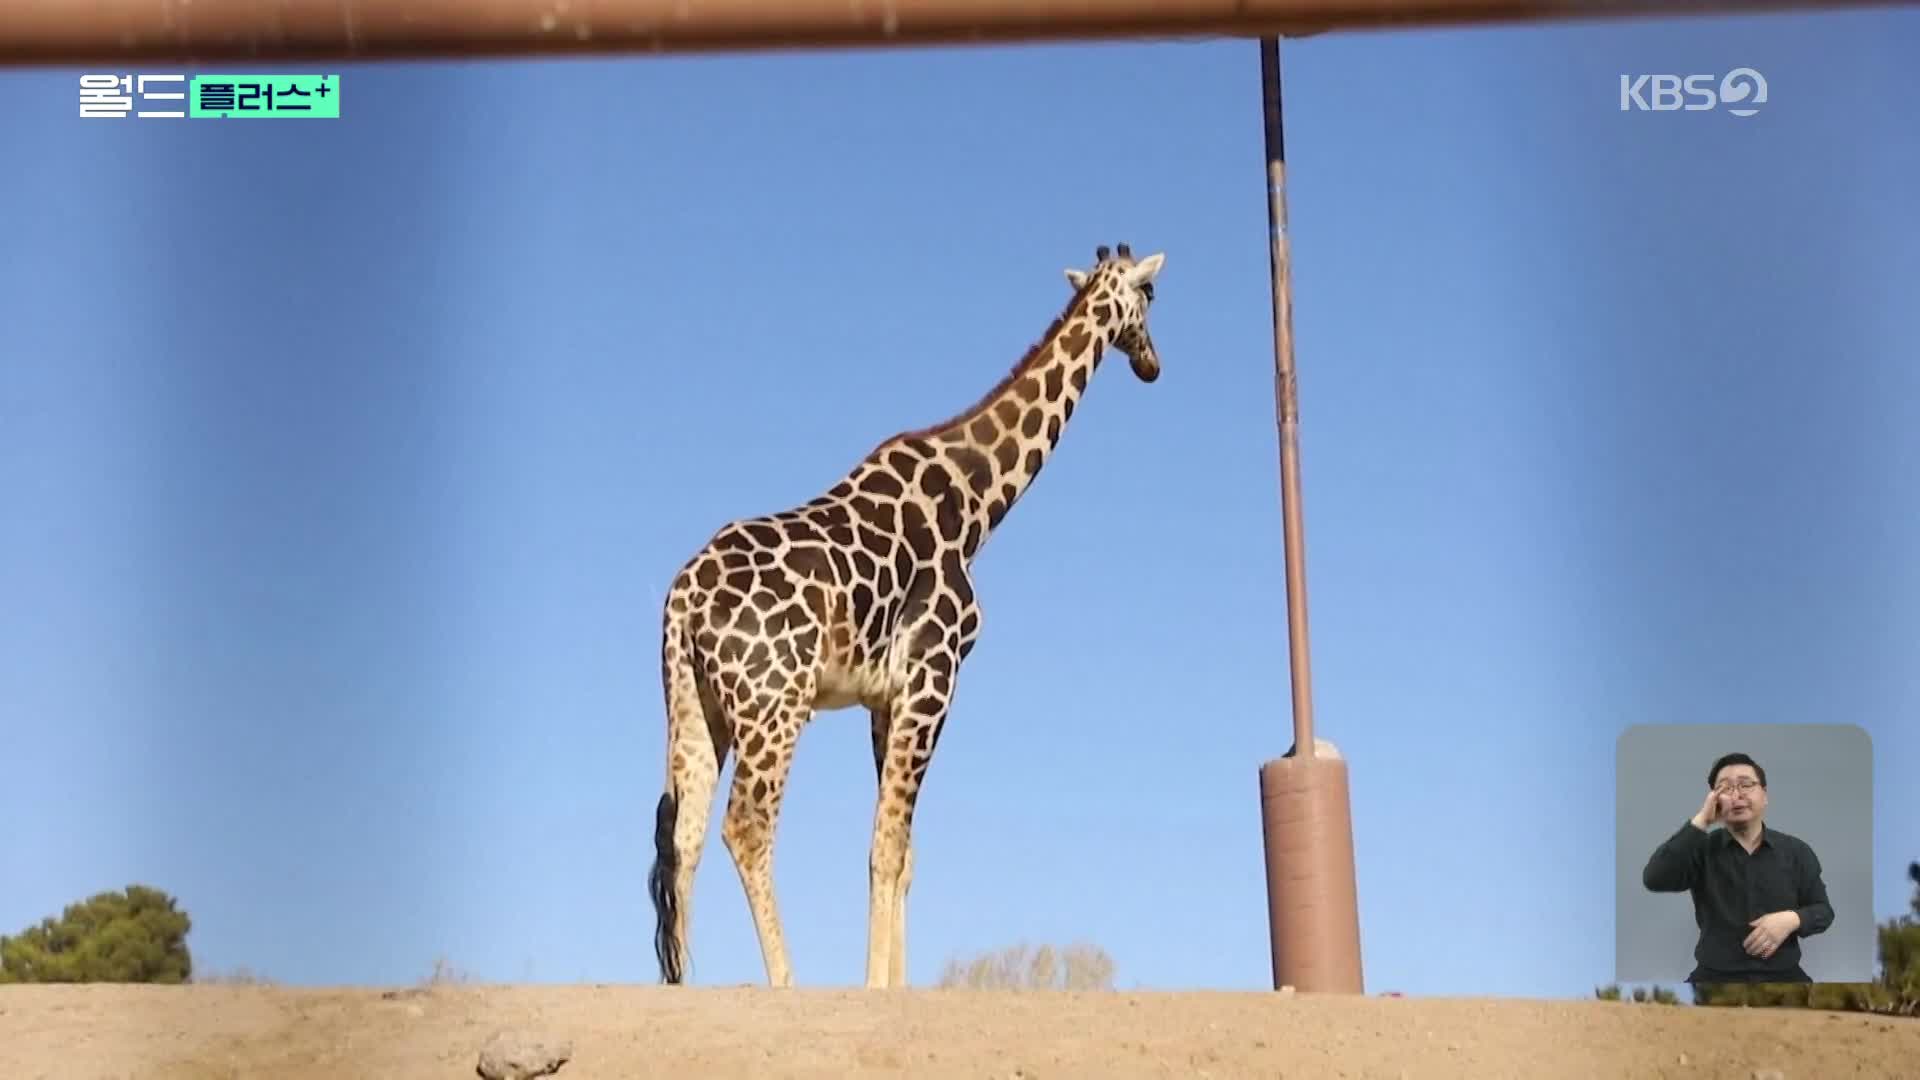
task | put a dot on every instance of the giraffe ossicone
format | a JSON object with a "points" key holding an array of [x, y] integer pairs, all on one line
{"points": [[861, 596]]}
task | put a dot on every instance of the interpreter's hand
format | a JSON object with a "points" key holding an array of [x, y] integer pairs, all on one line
{"points": [[1769, 931], [1710, 812]]}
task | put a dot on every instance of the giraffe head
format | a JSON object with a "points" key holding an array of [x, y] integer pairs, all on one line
{"points": [[1119, 290]]}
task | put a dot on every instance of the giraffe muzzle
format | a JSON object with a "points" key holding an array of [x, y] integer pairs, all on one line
{"points": [[1142, 356]]}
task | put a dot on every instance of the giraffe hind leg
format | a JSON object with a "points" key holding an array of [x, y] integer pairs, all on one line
{"points": [[766, 744], [697, 743]]}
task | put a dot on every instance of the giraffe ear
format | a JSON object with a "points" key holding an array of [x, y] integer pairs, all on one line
{"points": [[1146, 269], [1076, 278]]}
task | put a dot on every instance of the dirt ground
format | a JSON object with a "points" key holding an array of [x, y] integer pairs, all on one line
{"points": [[174, 1033]]}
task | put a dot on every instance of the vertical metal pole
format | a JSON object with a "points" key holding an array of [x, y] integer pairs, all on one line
{"points": [[1286, 401], [1307, 824]]}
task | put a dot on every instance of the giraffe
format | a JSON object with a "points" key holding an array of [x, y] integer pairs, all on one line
{"points": [[862, 596]]}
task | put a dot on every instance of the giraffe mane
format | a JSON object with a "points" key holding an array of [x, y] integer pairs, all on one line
{"points": [[1034, 354]]}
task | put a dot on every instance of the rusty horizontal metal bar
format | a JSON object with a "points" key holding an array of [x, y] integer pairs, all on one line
{"points": [[45, 33]]}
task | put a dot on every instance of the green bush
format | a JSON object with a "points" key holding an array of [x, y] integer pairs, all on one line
{"points": [[137, 935]]}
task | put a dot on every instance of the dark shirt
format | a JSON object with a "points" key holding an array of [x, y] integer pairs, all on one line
{"points": [[1732, 888]]}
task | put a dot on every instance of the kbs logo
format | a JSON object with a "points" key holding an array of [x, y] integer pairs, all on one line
{"points": [[1741, 92]]}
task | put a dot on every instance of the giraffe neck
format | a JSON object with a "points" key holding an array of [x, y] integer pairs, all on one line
{"points": [[992, 452]]}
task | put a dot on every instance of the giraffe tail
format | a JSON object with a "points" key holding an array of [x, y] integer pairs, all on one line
{"points": [[667, 948], [680, 826]]}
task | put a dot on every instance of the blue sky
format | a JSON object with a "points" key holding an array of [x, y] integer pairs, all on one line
{"points": [[343, 465]]}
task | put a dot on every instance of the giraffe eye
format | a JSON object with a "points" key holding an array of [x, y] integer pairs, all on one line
{"points": [[1146, 290]]}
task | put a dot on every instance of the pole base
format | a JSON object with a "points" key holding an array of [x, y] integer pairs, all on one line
{"points": [[1312, 905]]}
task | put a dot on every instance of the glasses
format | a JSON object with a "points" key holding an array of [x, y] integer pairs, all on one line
{"points": [[1741, 785]]}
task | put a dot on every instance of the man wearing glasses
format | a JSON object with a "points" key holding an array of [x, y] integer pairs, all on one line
{"points": [[1756, 890]]}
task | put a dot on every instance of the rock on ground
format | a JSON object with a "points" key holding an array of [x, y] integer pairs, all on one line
{"points": [[513, 1055]]}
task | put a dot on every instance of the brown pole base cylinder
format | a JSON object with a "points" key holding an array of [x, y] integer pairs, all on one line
{"points": [[1312, 904]]}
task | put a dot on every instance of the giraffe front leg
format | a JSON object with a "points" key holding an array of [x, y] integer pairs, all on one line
{"points": [[913, 730], [897, 955], [897, 945]]}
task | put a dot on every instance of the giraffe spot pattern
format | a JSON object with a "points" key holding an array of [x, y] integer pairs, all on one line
{"points": [[863, 596]]}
